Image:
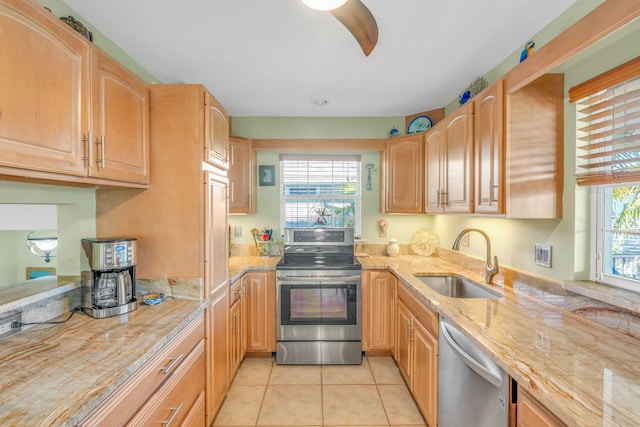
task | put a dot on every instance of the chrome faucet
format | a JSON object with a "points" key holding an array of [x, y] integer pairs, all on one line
{"points": [[491, 270]]}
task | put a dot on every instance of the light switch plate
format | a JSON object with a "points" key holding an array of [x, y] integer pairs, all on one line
{"points": [[237, 231], [464, 241], [543, 254]]}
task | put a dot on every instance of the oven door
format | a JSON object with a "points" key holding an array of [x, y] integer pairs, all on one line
{"points": [[318, 309]]}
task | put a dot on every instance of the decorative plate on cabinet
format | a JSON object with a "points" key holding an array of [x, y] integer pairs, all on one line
{"points": [[419, 124]]}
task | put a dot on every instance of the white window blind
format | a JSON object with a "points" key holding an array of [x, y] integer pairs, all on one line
{"points": [[608, 114], [320, 191]]}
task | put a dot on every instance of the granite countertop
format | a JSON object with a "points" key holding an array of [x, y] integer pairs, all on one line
{"points": [[57, 374], [238, 265], [584, 372]]}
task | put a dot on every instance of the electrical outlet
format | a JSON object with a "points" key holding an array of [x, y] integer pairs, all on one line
{"points": [[464, 241], [237, 231], [542, 254], [6, 325]]}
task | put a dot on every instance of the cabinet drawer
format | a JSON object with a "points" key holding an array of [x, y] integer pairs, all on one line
{"points": [[427, 317], [124, 403], [175, 399]]}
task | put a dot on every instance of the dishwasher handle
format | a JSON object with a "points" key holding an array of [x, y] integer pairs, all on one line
{"points": [[482, 370]]}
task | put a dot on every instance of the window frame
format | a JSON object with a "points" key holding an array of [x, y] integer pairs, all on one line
{"points": [[599, 204], [357, 197]]}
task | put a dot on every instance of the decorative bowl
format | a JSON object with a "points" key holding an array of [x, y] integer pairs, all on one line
{"points": [[152, 299]]}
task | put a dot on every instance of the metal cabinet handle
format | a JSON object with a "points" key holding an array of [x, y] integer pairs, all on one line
{"points": [[170, 366], [101, 160], [89, 149], [173, 415]]}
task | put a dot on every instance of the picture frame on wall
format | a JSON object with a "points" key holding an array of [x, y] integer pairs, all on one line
{"points": [[267, 175]]}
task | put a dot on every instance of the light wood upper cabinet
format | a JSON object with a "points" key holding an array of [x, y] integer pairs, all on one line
{"points": [[70, 112], [449, 163], [45, 87], [120, 138], [216, 133], [434, 154], [378, 310], [489, 149], [261, 311], [404, 174], [535, 149], [241, 172]]}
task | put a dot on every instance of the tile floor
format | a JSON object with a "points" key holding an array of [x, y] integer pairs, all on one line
{"points": [[266, 394]]}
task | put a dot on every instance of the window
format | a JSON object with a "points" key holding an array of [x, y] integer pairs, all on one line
{"points": [[320, 191], [608, 158]]}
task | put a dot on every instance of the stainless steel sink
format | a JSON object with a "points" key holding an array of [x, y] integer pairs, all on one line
{"points": [[457, 287]]}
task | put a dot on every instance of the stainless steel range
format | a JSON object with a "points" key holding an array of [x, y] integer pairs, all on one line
{"points": [[318, 298]]}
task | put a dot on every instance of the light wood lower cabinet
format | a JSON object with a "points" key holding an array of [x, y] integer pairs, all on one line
{"points": [[417, 352], [530, 413], [217, 375], [261, 311], [378, 310], [173, 402], [237, 324], [175, 377]]}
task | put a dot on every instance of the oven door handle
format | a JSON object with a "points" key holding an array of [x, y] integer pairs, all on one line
{"points": [[318, 279]]}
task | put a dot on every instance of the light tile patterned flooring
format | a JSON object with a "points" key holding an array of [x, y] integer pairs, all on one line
{"points": [[266, 394]]}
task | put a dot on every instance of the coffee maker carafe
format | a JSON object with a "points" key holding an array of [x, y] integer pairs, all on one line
{"points": [[109, 289]]}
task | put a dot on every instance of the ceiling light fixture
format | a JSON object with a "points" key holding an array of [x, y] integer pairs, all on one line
{"points": [[320, 101], [41, 246], [324, 4]]}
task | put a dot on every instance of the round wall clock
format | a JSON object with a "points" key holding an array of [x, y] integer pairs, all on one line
{"points": [[420, 124]]}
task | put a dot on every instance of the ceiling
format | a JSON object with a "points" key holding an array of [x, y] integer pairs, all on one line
{"points": [[273, 57]]}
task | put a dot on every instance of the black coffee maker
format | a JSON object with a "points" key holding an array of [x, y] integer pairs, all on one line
{"points": [[109, 289]]}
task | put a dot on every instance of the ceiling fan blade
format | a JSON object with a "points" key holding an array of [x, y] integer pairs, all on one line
{"points": [[360, 22]]}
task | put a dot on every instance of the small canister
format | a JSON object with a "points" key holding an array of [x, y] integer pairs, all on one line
{"points": [[393, 249]]}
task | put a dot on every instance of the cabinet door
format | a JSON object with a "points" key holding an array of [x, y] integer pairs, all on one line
{"points": [[260, 312], [488, 136], [216, 133], [424, 381], [216, 231], [243, 317], [403, 341], [240, 175], [378, 299], [405, 175], [234, 341], [120, 147], [217, 368], [44, 87], [458, 161], [434, 149]]}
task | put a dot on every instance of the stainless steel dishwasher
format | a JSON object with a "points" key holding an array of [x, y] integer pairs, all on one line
{"points": [[472, 389]]}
